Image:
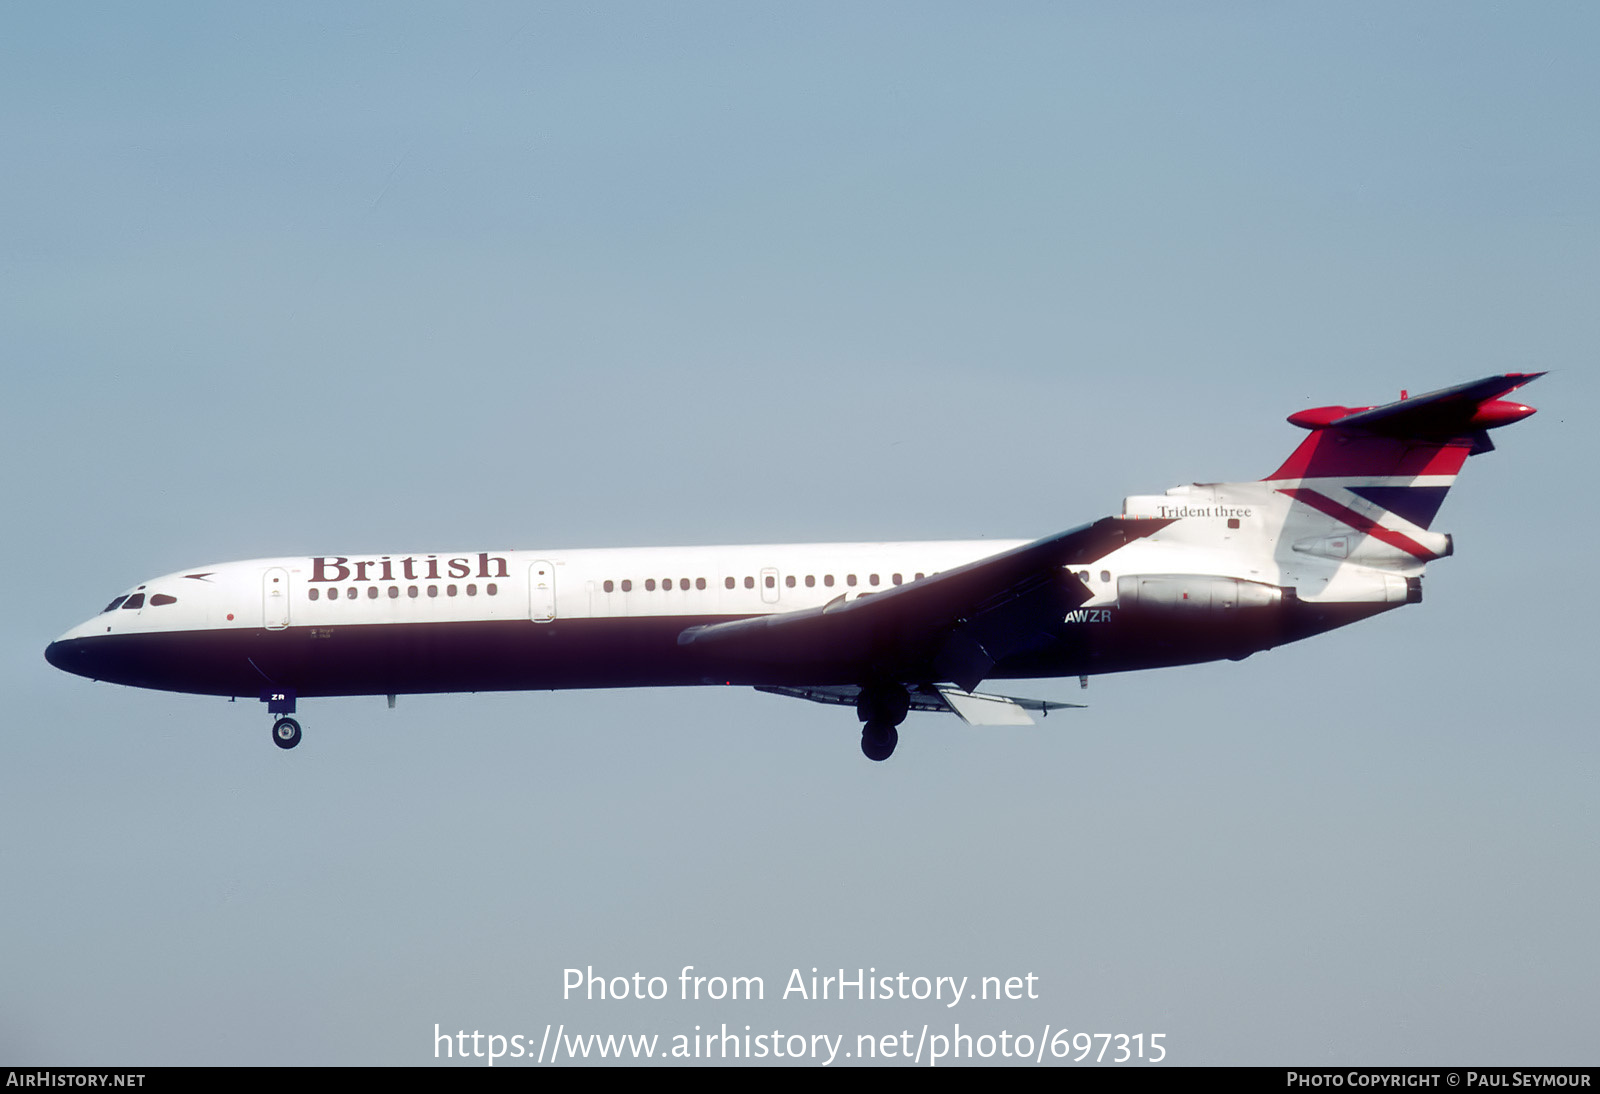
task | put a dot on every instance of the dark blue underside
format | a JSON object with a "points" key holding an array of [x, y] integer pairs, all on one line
{"points": [[515, 655]]}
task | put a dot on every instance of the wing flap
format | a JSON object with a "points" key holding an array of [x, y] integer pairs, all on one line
{"points": [[977, 709]]}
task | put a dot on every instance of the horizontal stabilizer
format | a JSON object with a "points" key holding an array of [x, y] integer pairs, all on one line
{"points": [[1448, 412], [1420, 441]]}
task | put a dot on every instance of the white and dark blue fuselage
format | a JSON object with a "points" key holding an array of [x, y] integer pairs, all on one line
{"points": [[1340, 532], [477, 621], [508, 620]]}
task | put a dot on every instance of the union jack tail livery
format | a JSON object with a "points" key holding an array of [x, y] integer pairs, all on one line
{"points": [[1401, 458], [1346, 522]]}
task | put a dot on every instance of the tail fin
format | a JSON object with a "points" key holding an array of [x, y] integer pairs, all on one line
{"points": [[1400, 458], [1347, 520]]}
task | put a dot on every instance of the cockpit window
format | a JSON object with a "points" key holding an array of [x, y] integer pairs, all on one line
{"points": [[114, 605], [162, 598], [134, 601]]}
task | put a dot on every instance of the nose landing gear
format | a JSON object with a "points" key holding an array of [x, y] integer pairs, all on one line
{"points": [[286, 733]]}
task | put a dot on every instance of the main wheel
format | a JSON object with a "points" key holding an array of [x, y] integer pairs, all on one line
{"points": [[878, 740], [286, 733]]}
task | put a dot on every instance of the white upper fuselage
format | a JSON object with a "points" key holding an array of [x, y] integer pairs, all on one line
{"points": [[347, 590]]}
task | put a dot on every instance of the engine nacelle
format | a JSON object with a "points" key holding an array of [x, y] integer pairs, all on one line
{"points": [[1197, 596], [1370, 550]]}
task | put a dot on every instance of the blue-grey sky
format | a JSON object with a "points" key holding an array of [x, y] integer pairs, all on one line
{"points": [[318, 278]]}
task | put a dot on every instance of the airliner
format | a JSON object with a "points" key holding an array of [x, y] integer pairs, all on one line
{"points": [[1340, 532]]}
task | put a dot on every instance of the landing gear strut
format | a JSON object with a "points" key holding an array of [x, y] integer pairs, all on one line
{"points": [[881, 707]]}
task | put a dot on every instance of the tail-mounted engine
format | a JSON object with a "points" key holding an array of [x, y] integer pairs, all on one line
{"points": [[1198, 596], [1392, 550]]}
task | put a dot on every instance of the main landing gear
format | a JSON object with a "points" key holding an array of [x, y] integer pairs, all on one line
{"points": [[878, 740], [881, 707]]}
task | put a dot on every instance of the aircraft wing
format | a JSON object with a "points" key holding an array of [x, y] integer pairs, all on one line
{"points": [[973, 708], [955, 625]]}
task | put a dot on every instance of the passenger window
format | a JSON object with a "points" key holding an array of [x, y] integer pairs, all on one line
{"points": [[772, 582], [472, 590], [411, 591], [699, 583], [134, 601], [433, 590], [749, 583], [608, 586], [627, 585], [372, 592], [789, 580], [827, 579], [351, 593], [449, 590], [491, 588], [850, 580], [649, 584], [1105, 575], [896, 579], [811, 581], [162, 598], [394, 592], [312, 595], [873, 580], [728, 583]]}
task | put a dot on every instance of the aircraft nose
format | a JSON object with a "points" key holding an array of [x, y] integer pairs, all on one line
{"points": [[68, 655]]}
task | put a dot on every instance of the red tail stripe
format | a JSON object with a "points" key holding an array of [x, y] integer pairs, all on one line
{"points": [[1324, 504], [1336, 453]]}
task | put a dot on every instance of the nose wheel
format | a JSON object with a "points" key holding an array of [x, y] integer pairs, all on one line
{"points": [[286, 733]]}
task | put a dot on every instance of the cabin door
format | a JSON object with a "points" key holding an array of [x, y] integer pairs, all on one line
{"points": [[275, 599], [541, 592]]}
